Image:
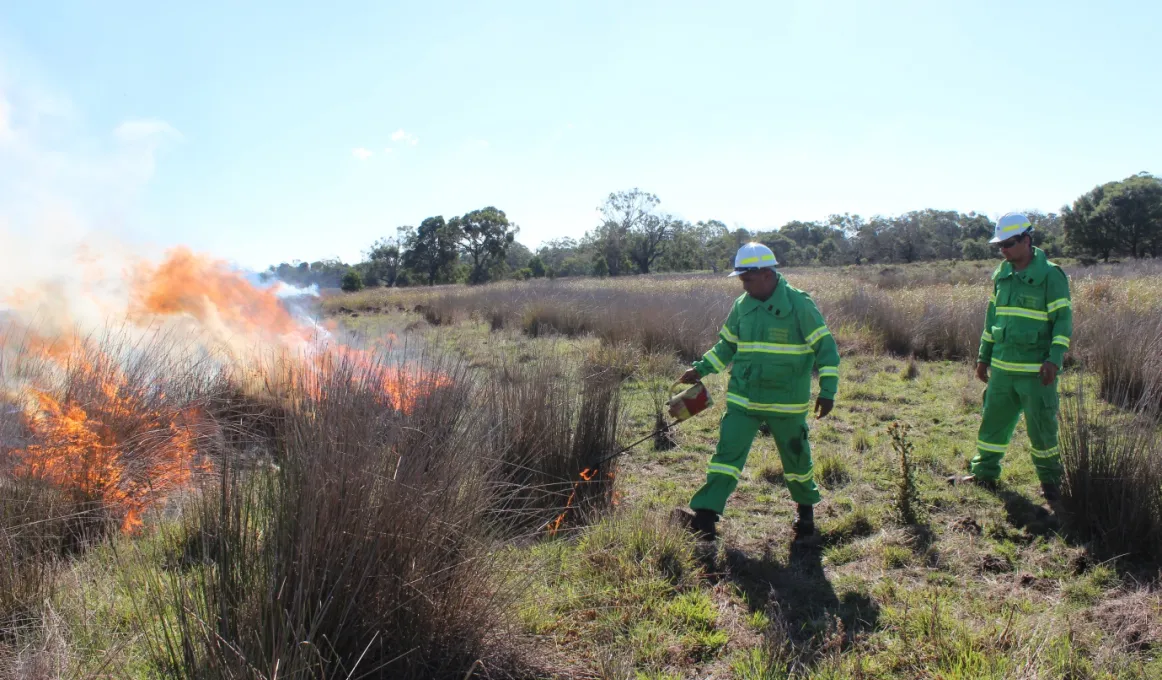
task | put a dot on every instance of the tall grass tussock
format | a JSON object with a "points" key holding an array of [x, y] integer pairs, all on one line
{"points": [[335, 517]]}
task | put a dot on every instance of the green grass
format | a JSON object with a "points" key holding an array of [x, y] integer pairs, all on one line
{"points": [[926, 601], [987, 586]]}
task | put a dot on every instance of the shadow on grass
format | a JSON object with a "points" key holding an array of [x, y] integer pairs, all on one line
{"points": [[1034, 518], [1039, 521], [799, 591]]}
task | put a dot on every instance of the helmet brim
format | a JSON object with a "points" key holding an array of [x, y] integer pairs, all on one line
{"points": [[997, 239], [740, 272]]}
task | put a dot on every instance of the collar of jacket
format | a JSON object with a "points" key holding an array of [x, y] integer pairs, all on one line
{"points": [[1035, 273], [778, 304]]}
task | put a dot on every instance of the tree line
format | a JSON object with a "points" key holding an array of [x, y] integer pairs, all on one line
{"points": [[634, 236]]}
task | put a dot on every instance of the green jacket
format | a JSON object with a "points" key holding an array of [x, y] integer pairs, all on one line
{"points": [[1030, 317], [774, 346]]}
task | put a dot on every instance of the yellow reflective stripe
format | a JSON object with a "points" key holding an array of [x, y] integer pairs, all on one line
{"points": [[736, 399], [986, 337], [768, 258], [1016, 368], [805, 477], [1047, 453], [1061, 340], [714, 361], [992, 448], [748, 260], [723, 469], [1014, 227], [772, 348], [1022, 312], [829, 371], [728, 336], [739, 400], [1058, 304], [817, 335]]}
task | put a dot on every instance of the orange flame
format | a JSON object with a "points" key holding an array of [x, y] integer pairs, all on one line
{"points": [[587, 475], [121, 453], [209, 291], [111, 442], [397, 386]]}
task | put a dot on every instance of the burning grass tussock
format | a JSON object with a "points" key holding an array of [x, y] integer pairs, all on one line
{"points": [[112, 425], [550, 429], [366, 547], [371, 548], [365, 552]]}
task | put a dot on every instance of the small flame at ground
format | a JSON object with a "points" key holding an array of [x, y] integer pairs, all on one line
{"points": [[587, 475]]}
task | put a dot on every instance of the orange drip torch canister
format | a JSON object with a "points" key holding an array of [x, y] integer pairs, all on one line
{"points": [[690, 402]]}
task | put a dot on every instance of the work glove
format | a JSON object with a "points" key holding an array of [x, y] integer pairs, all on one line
{"points": [[1048, 373], [823, 407]]}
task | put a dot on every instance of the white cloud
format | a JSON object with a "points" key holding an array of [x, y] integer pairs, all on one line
{"points": [[55, 169], [407, 138], [361, 153], [145, 130], [387, 149]]}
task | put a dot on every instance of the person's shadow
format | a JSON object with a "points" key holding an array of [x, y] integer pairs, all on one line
{"points": [[1032, 517], [799, 592]]}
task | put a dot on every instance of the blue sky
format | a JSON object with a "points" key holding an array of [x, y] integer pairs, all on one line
{"points": [[269, 131]]}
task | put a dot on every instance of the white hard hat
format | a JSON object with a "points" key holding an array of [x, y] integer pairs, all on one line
{"points": [[751, 257], [1010, 225]]}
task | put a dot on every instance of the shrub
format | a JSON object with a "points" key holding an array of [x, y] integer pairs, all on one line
{"points": [[907, 495], [352, 282]]}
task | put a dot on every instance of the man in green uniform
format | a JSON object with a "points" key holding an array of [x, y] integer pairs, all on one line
{"points": [[1026, 334], [775, 336]]}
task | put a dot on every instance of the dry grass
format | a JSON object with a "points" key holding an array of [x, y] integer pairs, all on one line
{"points": [[929, 311], [1113, 471], [370, 550]]}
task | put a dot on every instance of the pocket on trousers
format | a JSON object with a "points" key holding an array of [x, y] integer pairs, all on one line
{"points": [[1049, 402]]}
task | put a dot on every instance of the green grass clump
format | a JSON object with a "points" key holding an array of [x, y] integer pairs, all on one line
{"points": [[631, 582], [833, 470], [852, 525]]}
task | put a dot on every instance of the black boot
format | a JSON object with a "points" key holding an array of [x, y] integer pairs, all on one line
{"points": [[1050, 491], [702, 523], [804, 526]]}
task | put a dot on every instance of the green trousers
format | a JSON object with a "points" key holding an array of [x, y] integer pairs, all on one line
{"points": [[736, 434], [1005, 398]]}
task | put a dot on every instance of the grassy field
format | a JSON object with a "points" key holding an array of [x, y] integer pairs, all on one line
{"points": [[416, 508], [986, 584]]}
